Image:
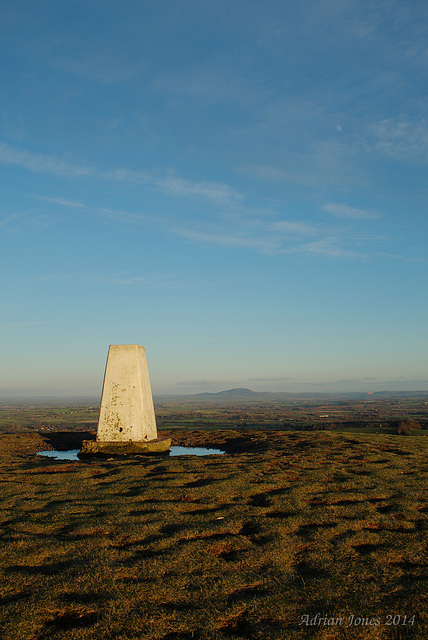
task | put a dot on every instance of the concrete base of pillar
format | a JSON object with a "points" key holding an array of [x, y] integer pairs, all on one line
{"points": [[96, 448]]}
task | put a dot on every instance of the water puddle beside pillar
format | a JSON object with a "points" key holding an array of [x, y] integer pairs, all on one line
{"points": [[193, 451], [72, 454]]}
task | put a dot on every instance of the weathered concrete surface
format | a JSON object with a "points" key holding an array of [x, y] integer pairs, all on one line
{"points": [[127, 411], [93, 448]]}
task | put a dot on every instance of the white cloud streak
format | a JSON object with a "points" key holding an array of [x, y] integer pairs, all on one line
{"points": [[215, 191], [263, 236], [328, 247], [49, 164], [64, 202], [41, 163], [346, 211], [265, 246], [106, 212], [241, 229]]}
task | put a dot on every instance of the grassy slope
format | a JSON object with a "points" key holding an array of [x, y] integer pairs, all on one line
{"points": [[221, 547]]}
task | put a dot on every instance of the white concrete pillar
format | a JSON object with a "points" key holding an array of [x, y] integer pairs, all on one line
{"points": [[127, 411]]}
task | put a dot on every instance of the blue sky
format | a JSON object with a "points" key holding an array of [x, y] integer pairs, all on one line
{"points": [[240, 186]]}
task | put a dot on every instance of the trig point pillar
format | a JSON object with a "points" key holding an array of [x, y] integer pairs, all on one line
{"points": [[127, 421], [127, 411]]}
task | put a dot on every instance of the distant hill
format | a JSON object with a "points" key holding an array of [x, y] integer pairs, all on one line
{"points": [[229, 393], [240, 394]]}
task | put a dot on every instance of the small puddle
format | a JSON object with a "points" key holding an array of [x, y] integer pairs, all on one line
{"points": [[72, 454], [193, 451]]}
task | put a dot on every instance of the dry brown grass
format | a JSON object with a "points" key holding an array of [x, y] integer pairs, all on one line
{"points": [[238, 546]]}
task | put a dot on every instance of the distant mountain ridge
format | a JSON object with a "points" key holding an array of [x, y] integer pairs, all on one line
{"points": [[240, 392]]}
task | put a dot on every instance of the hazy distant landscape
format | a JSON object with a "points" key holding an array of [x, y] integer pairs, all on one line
{"points": [[236, 408]]}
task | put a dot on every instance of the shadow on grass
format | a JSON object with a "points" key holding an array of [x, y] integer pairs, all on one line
{"points": [[305, 569], [68, 618], [64, 440], [15, 597], [202, 482], [368, 547], [41, 569]]}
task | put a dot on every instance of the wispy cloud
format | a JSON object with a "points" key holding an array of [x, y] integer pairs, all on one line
{"points": [[328, 247], [41, 163], [255, 234], [345, 211], [103, 211], [49, 164], [319, 163], [16, 222], [289, 226], [211, 190], [228, 240], [215, 191], [232, 224], [11, 222], [283, 237], [64, 202], [398, 256], [399, 138]]}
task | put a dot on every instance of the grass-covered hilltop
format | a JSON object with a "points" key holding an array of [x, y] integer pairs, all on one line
{"points": [[293, 533]]}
